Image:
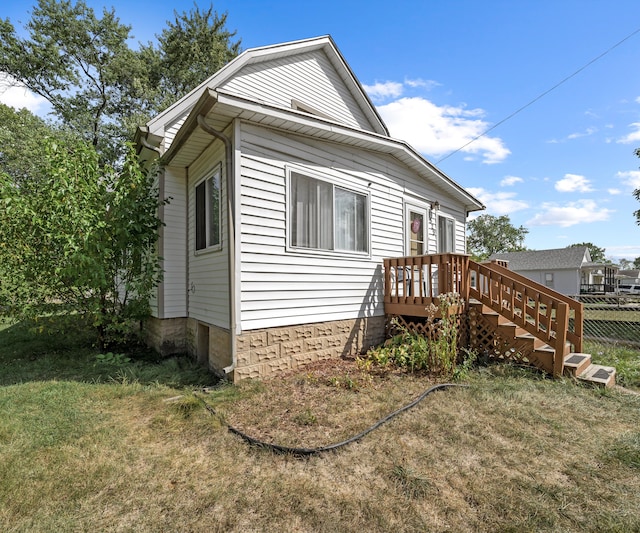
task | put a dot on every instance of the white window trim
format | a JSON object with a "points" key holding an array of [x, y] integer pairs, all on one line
{"points": [[354, 188], [216, 247], [411, 205], [437, 231]]}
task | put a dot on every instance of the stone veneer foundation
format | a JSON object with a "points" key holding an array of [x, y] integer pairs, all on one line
{"points": [[265, 352]]}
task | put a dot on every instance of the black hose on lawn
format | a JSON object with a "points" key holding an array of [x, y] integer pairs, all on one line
{"points": [[312, 451]]}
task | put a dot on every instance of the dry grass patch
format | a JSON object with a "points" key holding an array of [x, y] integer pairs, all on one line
{"points": [[512, 452]]}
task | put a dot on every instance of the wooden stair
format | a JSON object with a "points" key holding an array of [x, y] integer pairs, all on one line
{"points": [[579, 366], [500, 338]]}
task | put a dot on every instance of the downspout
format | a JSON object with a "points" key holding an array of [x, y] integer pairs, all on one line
{"points": [[228, 149], [149, 146]]}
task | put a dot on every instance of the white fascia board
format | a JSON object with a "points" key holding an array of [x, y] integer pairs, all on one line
{"points": [[233, 106], [319, 127]]}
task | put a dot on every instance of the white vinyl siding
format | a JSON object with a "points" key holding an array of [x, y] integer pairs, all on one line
{"points": [[208, 269], [175, 248], [309, 79], [282, 287]]}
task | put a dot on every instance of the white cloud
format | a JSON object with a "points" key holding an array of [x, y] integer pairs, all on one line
{"points": [[498, 203], [614, 191], [425, 84], [18, 96], [630, 178], [586, 133], [437, 131], [381, 91], [632, 137], [623, 252], [507, 181], [573, 183], [580, 212]]}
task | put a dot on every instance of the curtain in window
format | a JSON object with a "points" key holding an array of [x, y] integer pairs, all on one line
{"points": [[350, 221], [312, 213], [446, 235]]}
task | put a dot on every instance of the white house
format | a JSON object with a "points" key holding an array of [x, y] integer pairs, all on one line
{"points": [[286, 193], [568, 270]]}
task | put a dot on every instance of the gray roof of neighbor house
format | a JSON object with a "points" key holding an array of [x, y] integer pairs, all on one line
{"points": [[558, 259]]}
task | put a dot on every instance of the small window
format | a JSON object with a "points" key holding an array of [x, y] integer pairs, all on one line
{"points": [[208, 212], [324, 216], [548, 279], [446, 235]]}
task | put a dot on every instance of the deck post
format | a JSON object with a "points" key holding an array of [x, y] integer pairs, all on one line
{"points": [[562, 323]]}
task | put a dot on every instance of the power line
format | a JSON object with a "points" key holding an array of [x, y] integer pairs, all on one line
{"points": [[539, 96]]}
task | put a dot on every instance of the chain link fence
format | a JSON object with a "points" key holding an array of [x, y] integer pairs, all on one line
{"points": [[611, 319]]}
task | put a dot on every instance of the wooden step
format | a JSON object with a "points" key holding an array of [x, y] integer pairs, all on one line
{"points": [[576, 363], [603, 376]]}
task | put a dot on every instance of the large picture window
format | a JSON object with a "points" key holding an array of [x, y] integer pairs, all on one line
{"points": [[446, 235], [324, 216], [208, 212]]}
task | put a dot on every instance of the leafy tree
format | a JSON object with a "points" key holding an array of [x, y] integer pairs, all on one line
{"points": [[625, 264], [78, 62], [21, 135], [596, 253], [489, 235], [636, 262], [191, 48], [98, 86], [86, 238]]}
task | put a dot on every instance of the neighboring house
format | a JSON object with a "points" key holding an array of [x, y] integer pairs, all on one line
{"points": [[286, 193], [569, 270], [628, 276]]}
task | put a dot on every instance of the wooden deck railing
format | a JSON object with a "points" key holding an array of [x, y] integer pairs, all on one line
{"points": [[412, 283], [543, 312]]}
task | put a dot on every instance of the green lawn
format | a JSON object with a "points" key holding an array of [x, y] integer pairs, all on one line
{"points": [[90, 443]]}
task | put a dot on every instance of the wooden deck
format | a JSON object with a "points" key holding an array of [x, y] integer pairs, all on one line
{"points": [[413, 283]]}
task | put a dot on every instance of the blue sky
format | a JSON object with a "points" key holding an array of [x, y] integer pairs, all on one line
{"points": [[443, 72]]}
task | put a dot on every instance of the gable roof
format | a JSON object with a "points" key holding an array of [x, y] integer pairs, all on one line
{"points": [[572, 257], [254, 56], [214, 102]]}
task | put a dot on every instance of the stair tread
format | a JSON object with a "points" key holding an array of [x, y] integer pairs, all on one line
{"points": [[604, 375], [575, 359]]}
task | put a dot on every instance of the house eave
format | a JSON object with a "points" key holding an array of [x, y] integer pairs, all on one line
{"points": [[223, 107]]}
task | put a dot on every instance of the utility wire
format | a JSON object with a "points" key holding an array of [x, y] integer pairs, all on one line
{"points": [[539, 96]]}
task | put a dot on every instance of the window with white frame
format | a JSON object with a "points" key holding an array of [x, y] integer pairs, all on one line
{"points": [[208, 212], [446, 235], [548, 279], [324, 216]]}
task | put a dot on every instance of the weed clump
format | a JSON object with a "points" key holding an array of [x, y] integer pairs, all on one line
{"points": [[438, 354]]}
